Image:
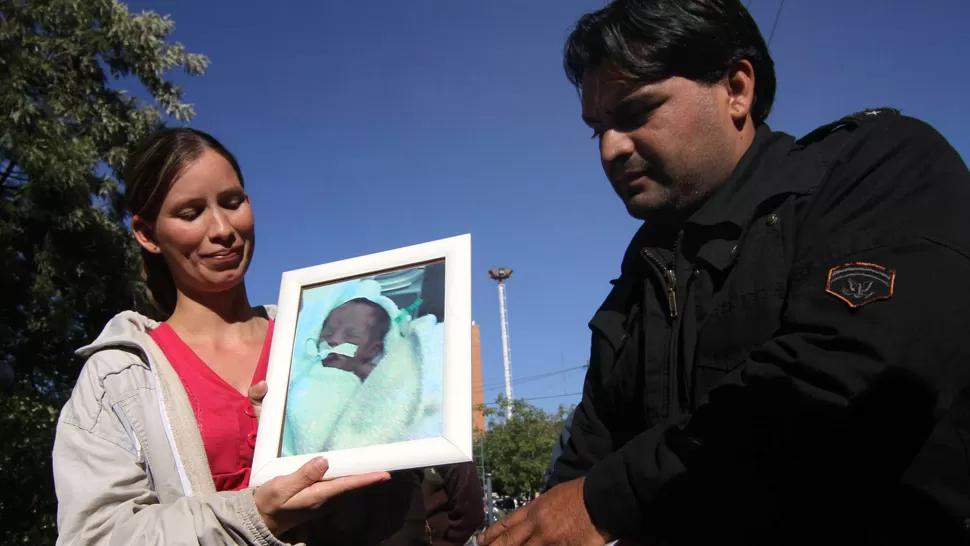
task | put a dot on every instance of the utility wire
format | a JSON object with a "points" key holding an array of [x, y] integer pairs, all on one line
{"points": [[541, 397], [497, 385], [552, 396], [501, 385], [774, 25]]}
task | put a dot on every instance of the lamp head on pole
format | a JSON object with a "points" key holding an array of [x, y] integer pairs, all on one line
{"points": [[500, 273]]}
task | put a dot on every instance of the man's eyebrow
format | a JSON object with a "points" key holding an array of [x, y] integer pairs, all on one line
{"points": [[637, 96]]}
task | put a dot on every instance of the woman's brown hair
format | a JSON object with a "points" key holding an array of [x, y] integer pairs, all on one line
{"points": [[151, 169]]}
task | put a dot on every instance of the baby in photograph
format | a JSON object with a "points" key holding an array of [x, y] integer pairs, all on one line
{"points": [[358, 380], [349, 347], [352, 338]]}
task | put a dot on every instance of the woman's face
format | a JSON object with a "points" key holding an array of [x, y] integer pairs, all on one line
{"points": [[205, 228]]}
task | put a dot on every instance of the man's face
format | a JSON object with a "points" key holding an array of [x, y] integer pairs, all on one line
{"points": [[663, 146], [355, 323]]}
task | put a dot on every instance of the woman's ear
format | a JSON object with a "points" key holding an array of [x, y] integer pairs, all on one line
{"points": [[145, 234]]}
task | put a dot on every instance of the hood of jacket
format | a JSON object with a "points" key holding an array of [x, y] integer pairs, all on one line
{"points": [[128, 331]]}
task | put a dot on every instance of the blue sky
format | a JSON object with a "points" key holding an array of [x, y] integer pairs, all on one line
{"points": [[365, 126]]}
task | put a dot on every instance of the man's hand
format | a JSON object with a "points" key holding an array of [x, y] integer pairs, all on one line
{"points": [[557, 517]]}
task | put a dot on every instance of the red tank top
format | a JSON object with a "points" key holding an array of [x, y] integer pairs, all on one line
{"points": [[225, 417]]}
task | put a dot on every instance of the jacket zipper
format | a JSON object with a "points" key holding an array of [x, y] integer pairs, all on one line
{"points": [[669, 273]]}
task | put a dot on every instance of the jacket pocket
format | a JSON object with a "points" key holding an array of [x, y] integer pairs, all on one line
{"points": [[617, 358], [613, 324], [746, 311]]}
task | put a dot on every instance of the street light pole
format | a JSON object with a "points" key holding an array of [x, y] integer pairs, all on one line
{"points": [[500, 275]]}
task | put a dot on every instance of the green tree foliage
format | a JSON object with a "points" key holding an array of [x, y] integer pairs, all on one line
{"points": [[27, 503], [517, 450], [66, 126]]}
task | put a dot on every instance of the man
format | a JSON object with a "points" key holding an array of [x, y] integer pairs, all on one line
{"points": [[784, 357]]}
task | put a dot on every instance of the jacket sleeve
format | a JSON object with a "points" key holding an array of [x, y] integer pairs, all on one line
{"points": [[464, 490], [589, 439], [840, 400], [105, 496]]}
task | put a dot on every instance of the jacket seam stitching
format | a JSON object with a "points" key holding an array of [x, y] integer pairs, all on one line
{"points": [[104, 393], [96, 435]]}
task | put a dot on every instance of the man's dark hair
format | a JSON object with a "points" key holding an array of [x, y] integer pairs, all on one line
{"points": [[652, 40]]}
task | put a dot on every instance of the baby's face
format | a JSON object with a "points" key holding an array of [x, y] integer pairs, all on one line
{"points": [[355, 323]]}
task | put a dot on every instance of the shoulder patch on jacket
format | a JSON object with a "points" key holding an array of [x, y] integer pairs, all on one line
{"points": [[850, 121], [859, 283]]}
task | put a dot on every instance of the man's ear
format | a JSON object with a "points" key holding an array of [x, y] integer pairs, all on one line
{"points": [[145, 234], [740, 90]]}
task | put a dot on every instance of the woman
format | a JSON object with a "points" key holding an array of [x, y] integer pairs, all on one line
{"points": [[156, 442]]}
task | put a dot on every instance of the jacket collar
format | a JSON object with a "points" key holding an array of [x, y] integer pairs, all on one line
{"points": [[752, 183], [765, 172]]}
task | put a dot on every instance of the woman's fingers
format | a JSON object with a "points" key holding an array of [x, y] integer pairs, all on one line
{"points": [[287, 487], [275, 498], [256, 394], [287, 500], [318, 493]]}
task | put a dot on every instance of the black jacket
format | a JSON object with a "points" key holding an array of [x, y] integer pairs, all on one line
{"points": [[453, 503], [792, 365]]}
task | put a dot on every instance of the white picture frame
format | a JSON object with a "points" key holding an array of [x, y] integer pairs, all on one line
{"points": [[453, 445]]}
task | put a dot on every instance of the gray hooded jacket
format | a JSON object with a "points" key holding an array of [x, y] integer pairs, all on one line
{"points": [[129, 464]]}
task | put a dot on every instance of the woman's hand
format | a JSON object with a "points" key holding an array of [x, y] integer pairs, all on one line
{"points": [[256, 394], [287, 501]]}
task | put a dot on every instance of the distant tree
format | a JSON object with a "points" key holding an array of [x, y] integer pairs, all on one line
{"points": [[517, 450], [68, 263]]}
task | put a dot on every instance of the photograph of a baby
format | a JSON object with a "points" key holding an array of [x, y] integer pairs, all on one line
{"points": [[352, 338], [367, 364]]}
